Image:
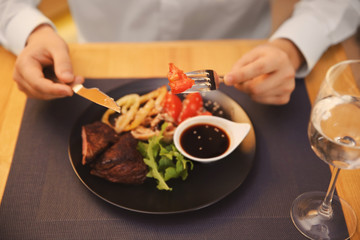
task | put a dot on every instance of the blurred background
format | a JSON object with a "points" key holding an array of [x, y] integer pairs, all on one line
{"points": [[58, 12]]}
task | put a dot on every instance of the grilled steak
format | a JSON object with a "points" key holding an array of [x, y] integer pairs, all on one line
{"points": [[96, 137], [121, 163]]}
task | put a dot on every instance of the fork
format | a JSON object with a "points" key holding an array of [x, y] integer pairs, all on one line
{"points": [[205, 80]]}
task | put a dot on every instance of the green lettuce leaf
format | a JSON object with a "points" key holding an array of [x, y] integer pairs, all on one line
{"points": [[165, 162]]}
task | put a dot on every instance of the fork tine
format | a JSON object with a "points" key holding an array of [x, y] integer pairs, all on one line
{"points": [[212, 79], [204, 80], [201, 79], [202, 85], [197, 72]]}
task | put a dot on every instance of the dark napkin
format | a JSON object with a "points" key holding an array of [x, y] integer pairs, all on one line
{"points": [[44, 199]]}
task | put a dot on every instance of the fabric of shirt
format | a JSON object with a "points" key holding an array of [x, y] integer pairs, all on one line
{"points": [[314, 26], [17, 20], [157, 20]]}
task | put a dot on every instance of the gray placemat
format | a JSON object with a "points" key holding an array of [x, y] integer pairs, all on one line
{"points": [[44, 199]]}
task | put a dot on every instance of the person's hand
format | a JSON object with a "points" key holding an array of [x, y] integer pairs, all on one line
{"points": [[267, 73], [44, 48]]}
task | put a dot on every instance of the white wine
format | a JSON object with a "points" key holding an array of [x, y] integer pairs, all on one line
{"points": [[334, 131]]}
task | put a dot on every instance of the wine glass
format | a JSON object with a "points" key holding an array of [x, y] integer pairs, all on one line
{"points": [[334, 134]]}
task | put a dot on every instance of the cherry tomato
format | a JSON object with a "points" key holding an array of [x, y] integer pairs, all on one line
{"points": [[172, 105], [192, 106], [178, 81]]}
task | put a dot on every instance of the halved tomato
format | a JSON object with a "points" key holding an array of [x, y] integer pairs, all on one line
{"points": [[178, 81], [192, 106], [172, 105]]}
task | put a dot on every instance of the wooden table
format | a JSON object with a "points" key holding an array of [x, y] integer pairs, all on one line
{"points": [[137, 60]]}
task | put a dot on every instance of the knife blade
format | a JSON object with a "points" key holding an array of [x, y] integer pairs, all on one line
{"points": [[96, 96], [92, 94]]}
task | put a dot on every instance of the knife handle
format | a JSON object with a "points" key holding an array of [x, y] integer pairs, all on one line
{"points": [[49, 73], [77, 87]]}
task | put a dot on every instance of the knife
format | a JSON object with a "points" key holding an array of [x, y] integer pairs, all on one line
{"points": [[92, 94], [96, 96]]}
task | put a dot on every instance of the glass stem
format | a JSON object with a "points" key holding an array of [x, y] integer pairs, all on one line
{"points": [[325, 209]]}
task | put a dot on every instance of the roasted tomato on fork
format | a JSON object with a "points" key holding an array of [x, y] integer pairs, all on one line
{"points": [[178, 81]]}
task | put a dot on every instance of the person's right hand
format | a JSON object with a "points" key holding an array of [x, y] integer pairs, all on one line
{"points": [[44, 48], [267, 72]]}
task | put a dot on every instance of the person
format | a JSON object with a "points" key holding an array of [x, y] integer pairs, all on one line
{"points": [[267, 73]]}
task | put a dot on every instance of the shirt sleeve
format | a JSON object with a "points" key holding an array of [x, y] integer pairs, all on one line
{"points": [[18, 18], [315, 25]]}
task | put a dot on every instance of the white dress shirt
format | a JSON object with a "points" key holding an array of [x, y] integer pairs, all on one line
{"points": [[314, 26]]}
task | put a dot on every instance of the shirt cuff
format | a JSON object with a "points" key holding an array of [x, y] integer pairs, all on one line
{"points": [[307, 34], [21, 26]]}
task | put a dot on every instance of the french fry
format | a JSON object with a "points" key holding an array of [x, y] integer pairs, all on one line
{"points": [[131, 114], [141, 115], [129, 105]]}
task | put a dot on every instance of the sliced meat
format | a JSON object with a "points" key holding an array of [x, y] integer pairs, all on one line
{"points": [[96, 137], [121, 163]]}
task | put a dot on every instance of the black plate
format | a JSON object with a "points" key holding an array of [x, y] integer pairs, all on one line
{"points": [[206, 184]]}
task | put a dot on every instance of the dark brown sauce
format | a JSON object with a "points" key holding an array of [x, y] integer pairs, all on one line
{"points": [[204, 141]]}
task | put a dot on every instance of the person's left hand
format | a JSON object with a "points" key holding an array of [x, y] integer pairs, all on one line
{"points": [[267, 73]]}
